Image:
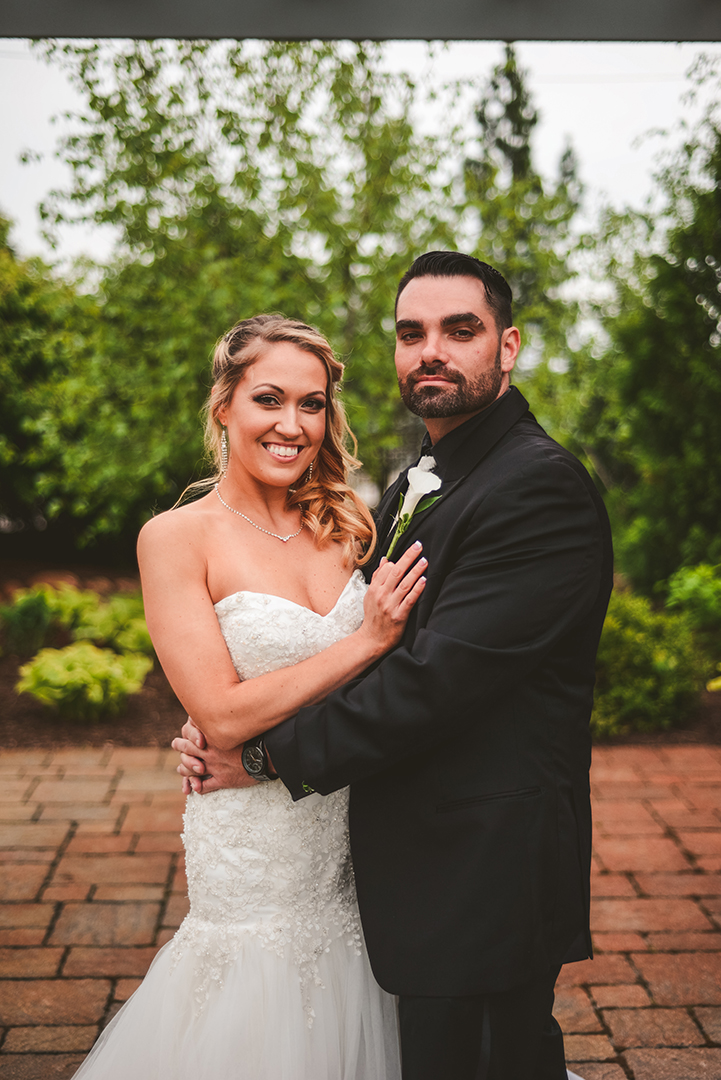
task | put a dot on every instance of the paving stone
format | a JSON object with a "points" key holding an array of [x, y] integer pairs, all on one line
{"points": [[616, 818], [33, 836], [164, 936], [690, 941], [129, 892], [624, 942], [647, 915], [32, 855], [72, 791], [180, 881], [611, 885], [709, 863], [701, 796], [110, 962], [702, 1064], [597, 1070], [682, 978], [94, 844], [618, 997], [22, 1040], [17, 811], [132, 758], [21, 881], [177, 908], [153, 819], [146, 782], [105, 869], [652, 1027], [29, 962], [574, 1011], [688, 819], [125, 987], [21, 937], [78, 812], [679, 884], [160, 841], [12, 915], [66, 892], [131, 923], [39, 1066], [702, 843], [639, 853], [603, 969], [52, 1001], [710, 1020], [588, 1048]]}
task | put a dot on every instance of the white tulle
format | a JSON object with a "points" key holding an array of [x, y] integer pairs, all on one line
{"points": [[267, 978]]}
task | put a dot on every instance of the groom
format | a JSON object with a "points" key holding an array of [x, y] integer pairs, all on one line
{"points": [[468, 747]]}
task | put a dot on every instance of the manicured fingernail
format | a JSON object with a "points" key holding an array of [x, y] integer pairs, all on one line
{"points": [[423, 562], [422, 580], [418, 545]]}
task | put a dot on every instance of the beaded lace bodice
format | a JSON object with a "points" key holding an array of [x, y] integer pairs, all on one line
{"points": [[259, 864]]}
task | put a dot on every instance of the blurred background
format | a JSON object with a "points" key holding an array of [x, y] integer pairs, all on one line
{"points": [[153, 193]]}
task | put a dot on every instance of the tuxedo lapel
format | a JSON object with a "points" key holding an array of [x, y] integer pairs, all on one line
{"points": [[463, 458]]}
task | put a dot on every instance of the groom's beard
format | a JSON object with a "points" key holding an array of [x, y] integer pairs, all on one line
{"points": [[463, 397]]}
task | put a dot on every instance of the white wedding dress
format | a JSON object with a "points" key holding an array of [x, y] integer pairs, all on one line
{"points": [[267, 978]]}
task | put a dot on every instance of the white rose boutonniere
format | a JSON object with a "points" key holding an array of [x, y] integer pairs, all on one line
{"points": [[421, 482]]}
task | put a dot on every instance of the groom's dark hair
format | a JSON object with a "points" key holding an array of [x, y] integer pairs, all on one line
{"points": [[455, 264]]}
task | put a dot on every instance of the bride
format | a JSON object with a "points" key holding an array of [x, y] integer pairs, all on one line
{"points": [[256, 607]]}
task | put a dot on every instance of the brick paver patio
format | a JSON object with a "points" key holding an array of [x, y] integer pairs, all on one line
{"points": [[92, 884]]}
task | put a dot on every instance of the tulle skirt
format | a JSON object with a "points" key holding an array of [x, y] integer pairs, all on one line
{"points": [[258, 1023]]}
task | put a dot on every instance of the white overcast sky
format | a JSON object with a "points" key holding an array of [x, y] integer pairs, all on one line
{"points": [[601, 96]]}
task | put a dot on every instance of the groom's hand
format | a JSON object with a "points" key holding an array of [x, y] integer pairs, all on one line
{"points": [[205, 769]]}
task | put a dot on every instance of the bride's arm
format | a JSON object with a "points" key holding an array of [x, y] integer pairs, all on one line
{"points": [[187, 638]]}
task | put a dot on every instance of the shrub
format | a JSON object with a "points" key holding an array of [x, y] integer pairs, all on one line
{"points": [[26, 623], [649, 670], [118, 624], [696, 591], [82, 680]]}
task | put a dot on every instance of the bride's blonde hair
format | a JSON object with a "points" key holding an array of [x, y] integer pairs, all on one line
{"points": [[329, 507]]}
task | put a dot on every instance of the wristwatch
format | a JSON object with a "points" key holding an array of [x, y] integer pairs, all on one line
{"points": [[255, 759]]}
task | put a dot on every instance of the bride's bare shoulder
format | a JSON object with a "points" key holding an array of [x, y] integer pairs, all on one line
{"points": [[184, 526]]}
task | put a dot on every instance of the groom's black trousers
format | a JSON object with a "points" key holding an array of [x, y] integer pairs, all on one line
{"points": [[508, 1036]]}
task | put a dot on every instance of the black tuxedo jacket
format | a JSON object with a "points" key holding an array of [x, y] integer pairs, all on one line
{"points": [[467, 748]]}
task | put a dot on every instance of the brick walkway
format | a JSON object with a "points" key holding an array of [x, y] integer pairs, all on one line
{"points": [[92, 884]]}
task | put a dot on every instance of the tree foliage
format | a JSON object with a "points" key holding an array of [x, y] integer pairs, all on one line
{"points": [[525, 227], [649, 395], [240, 177]]}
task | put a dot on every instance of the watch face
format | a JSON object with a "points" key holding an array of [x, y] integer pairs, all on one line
{"points": [[253, 759]]}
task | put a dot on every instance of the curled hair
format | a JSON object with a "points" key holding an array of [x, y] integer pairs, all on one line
{"points": [[329, 507]]}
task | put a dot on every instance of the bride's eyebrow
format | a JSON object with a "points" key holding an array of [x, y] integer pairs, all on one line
{"points": [[279, 390]]}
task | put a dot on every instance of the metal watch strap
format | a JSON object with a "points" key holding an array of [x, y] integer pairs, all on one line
{"points": [[255, 759]]}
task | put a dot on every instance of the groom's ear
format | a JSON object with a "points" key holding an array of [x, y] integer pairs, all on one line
{"points": [[510, 345]]}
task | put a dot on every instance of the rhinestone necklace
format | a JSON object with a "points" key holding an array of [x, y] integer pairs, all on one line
{"points": [[260, 528]]}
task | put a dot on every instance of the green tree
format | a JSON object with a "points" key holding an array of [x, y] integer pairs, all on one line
{"points": [[526, 231], [239, 178], [650, 393], [44, 326]]}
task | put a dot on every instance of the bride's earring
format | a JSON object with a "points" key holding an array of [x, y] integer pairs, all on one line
{"points": [[310, 473], [223, 453]]}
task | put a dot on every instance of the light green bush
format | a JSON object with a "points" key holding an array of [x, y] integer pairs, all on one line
{"points": [[119, 623], [82, 680], [649, 671]]}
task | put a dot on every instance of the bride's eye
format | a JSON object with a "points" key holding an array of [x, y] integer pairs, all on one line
{"points": [[314, 405], [266, 399]]}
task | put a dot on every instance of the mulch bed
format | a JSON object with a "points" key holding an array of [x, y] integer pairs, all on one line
{"points": [[154, 716]]}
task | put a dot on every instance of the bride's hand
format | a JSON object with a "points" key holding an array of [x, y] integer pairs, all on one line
{"points": [[394, 589]]}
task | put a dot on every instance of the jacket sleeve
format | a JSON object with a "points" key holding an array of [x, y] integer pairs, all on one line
{"points": [[528, 567]]}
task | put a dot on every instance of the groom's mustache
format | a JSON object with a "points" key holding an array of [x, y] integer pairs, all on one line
{"points": [[435, 369]]}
